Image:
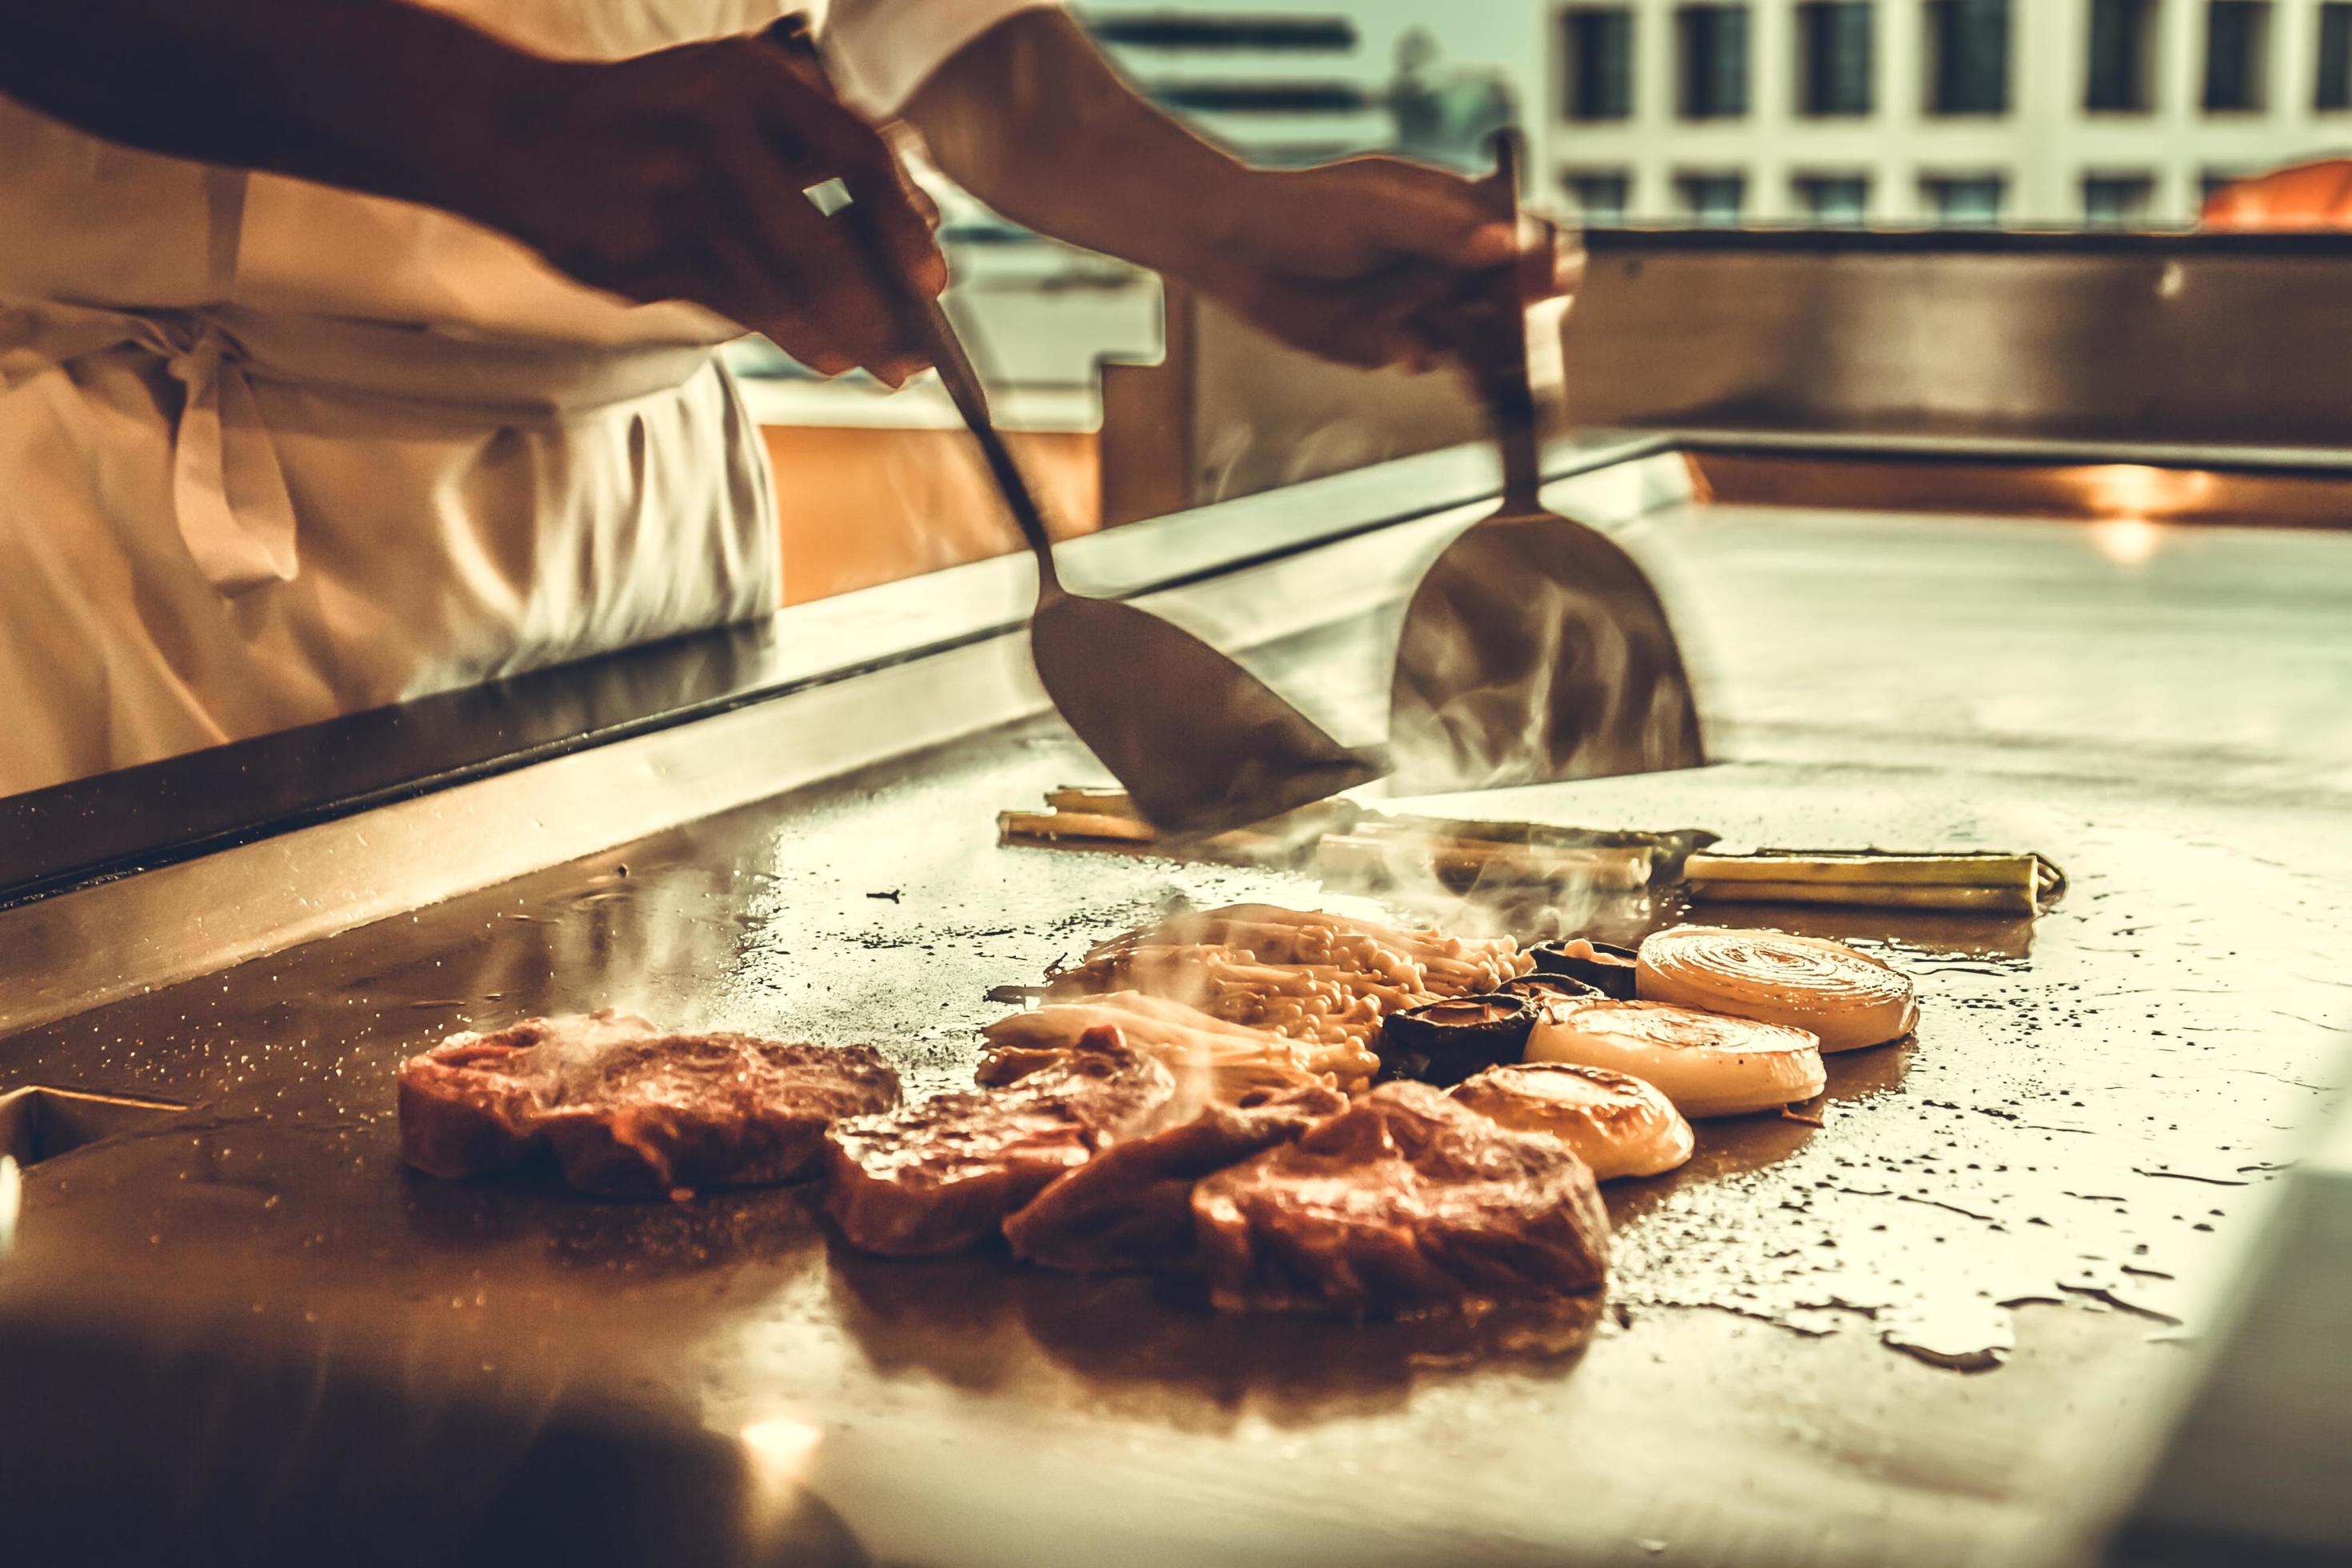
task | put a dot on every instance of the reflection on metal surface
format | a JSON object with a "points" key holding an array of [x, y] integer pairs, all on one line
{"points": [[2126, 540], [2154, 340], [12, 1201], [1858, 477], [138, 818], [74, 950], [40, 1123], [780, 1446], [2139, 491], [779, 1452]]}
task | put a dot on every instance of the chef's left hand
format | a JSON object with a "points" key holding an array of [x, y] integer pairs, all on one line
{"points": [[1365, 261]]}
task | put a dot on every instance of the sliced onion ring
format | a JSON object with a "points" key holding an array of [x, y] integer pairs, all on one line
{"points": [[1849, 999], [1616, 1123], [1706, 1064]]}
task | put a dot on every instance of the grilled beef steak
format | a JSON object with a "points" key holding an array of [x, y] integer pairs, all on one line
{"points": [[1130, 1206], [629, 1110], [1404, 1201], [942, 1175]]}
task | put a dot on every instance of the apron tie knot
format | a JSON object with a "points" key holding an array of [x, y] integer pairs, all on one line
{"points": [[228, 492], [227, 489]]}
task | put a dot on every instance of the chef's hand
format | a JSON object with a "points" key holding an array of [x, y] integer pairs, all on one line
{"points": [[678, 175], [685, 176], [1366, 261], [1363, 260], [2314, 195]]}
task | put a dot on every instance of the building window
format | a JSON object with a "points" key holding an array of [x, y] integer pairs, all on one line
{"points": [[1713, 201], [1714, 72], [2237, 55], [2123, 57], [2116, 201], [1602, 196], [2335, 91], [1600, 45], [1968, 44], [1834, 57], [1963, 201], [1835, 201]]}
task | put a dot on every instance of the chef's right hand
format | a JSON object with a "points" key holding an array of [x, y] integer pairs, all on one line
{"points": [[685, 175]]}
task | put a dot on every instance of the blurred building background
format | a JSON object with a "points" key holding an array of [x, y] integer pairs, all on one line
{"points": [[2065, 114], [2045, 112], [2040, 113]]}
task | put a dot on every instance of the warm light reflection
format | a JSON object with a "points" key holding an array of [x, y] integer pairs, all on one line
{"points": [[11, 1198], [2126, 540], [780, 1447], [2134, 491]]}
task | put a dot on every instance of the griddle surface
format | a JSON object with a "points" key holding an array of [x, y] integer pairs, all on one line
{"points": [[2092, 1108]]}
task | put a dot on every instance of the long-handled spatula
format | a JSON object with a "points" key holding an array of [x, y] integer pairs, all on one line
{"points": [[1535, 650], [1200, 742]]}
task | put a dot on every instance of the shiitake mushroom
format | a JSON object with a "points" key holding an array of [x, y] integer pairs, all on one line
{"points": [[1604, 966], [1442, 1043], [1539, 987]]}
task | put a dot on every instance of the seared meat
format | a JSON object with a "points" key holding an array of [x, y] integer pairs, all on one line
{"points": [[1130, 1206], [631, 1110], [942, 1175], [1404, 1201], [471, 1104]]}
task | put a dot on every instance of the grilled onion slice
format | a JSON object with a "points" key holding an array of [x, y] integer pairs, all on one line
{"points": [[1706, 1064], [1616, 1123], [1846, 998]]}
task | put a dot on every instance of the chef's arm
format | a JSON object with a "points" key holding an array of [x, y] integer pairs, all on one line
{"points": [[674, 176], [1346, 259]]}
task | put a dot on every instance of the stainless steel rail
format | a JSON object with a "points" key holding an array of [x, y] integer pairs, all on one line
{"points": [[913, 666], [2153, 340]]}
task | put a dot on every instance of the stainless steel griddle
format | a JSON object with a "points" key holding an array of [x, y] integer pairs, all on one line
{"points": [[243, 1324]]}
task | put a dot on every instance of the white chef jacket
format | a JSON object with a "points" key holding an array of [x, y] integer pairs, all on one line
{"points": [[271, 452]]}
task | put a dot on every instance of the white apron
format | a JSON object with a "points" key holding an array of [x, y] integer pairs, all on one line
{"points": [[270, 453]]}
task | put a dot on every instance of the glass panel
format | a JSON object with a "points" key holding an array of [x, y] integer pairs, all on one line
{"points": [[2116, 201], [2335, 87], [1970, 44], [1714, 200], [1713, 62], [1599, 42], [1835, 54], [1835, 201], [2122, 63], [1600, 198], [2237, 55], [1966, 201]]}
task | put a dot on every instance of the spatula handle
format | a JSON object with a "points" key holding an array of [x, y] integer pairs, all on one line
{"points": [[924, 321], [1502, 368], [927, 324]]}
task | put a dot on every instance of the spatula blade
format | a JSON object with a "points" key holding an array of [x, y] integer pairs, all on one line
{"points": [[1200, 744], [1535, 650]]}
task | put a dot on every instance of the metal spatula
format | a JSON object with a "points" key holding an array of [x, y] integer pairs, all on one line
{"points": [[1535, 650], [1200, 742]]}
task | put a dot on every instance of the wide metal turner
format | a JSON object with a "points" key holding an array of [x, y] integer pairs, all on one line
{"points": [[1200, 742], [1536, 648]]}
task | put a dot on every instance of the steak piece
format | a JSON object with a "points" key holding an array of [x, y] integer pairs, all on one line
{"points": [[629, 1110], [471, 1104], [1405, 1201], [1130, 1206], [942, 1175]]}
